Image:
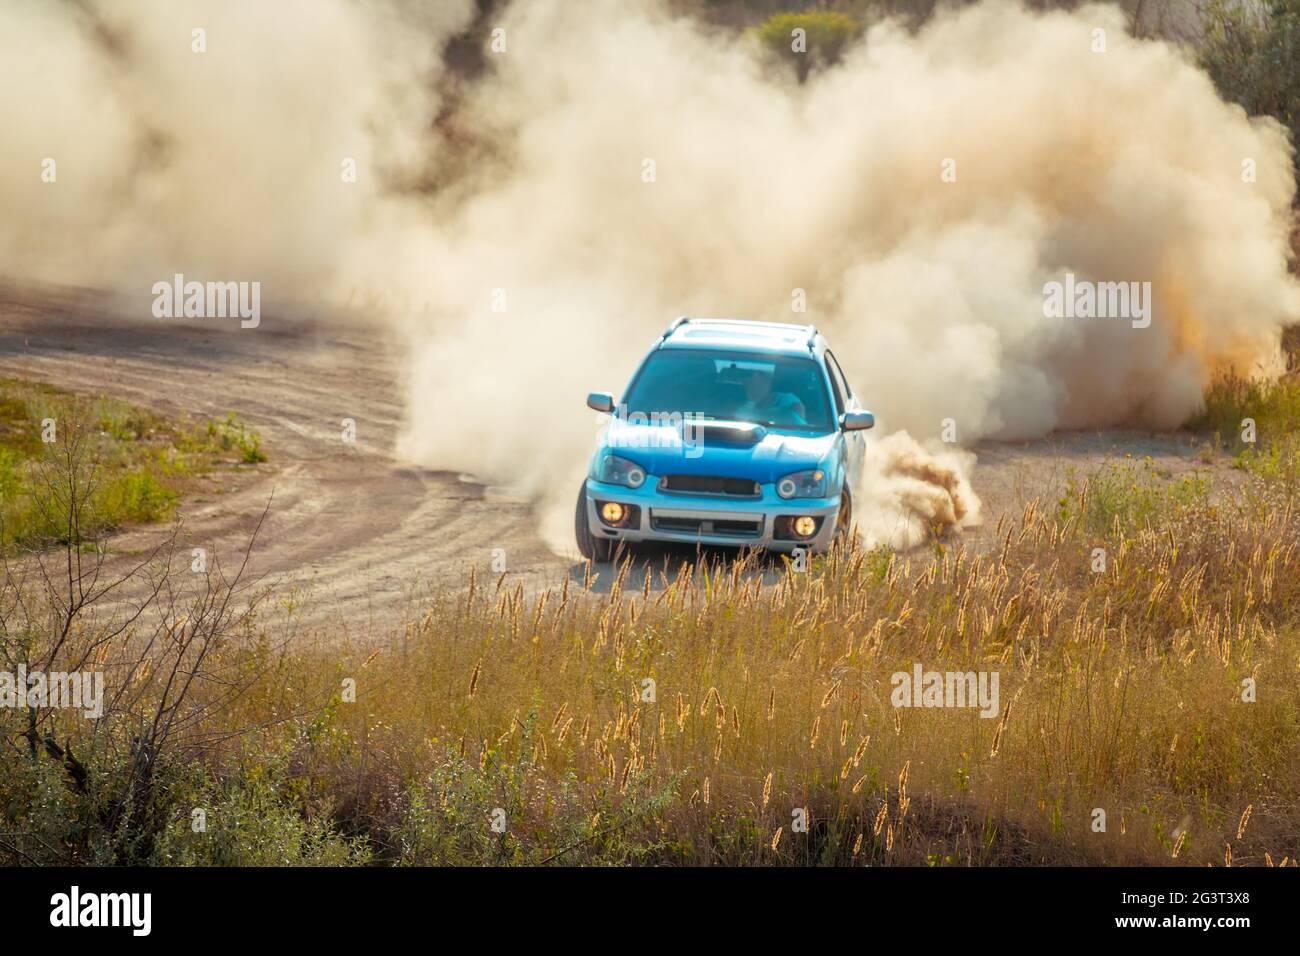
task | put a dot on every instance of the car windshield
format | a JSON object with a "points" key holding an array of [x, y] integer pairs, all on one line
{"points": [[779, 391]]}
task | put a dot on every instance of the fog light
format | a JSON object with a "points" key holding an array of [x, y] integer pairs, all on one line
{"points": [[804, 526], [611, 512]]}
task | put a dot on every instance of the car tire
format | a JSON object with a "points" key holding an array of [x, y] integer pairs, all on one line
{"points": [[589, 546], [844, 518]]}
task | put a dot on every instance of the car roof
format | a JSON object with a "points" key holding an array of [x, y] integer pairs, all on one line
{"points": [[743, 335]]}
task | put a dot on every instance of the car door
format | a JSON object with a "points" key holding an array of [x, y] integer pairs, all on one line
{"points": [[855, 443]]}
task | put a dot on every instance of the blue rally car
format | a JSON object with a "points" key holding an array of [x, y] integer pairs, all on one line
{"points": [[730, 433]]}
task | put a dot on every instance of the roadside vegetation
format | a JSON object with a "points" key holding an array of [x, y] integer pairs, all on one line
{"points": [[1146, 636], [142, 461], [825, 36], [1257, 420], [1251, 52]]}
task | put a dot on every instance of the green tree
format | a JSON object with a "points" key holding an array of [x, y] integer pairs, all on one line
{"points": [[825, 35], [1253, 56]]}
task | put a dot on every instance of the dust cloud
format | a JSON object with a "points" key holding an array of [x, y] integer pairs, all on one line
{"points": [[531, 229]]}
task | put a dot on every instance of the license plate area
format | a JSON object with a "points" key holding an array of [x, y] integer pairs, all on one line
{"points": [[706, 525]]}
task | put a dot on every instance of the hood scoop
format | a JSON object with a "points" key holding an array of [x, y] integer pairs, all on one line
{"points": [[742, 434]]}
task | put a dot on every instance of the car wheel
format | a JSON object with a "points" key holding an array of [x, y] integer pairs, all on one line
{"points": [[844, 518], [589, 546]]}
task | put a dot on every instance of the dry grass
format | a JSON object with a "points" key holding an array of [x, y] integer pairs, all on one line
{"points": [[716, 716], [1120, 690]]}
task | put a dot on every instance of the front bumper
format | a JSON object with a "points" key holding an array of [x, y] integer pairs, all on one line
{"points": [[710, 519]]}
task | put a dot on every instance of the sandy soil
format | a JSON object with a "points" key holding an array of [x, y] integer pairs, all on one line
{"points": [[358, 532]]}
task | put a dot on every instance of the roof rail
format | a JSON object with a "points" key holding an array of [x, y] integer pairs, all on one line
{"points": [[679, 321]]}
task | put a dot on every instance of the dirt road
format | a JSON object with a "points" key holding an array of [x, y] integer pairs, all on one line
{"points": [[357, 533]]}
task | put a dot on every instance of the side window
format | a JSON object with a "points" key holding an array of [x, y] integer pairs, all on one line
{"points": [[838, 384]]}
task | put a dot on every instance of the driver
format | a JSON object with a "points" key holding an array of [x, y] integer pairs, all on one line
{"points": [[766, 405]]}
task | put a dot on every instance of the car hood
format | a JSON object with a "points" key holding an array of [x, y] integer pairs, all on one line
{"points": [[724, 449]]}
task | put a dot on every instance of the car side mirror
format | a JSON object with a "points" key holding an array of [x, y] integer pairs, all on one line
{"points": [[600, 401], [857, 421]]}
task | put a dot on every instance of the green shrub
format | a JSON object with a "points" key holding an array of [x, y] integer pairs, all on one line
{"points": [[1252, 56], [230, 433], [1269, 448], [1273, 405], [1127, 496], [135, 461], [1277, 462], [252, 819], [10, 473], [448, 818], [825, 36], [135, 496], [123, 421]]}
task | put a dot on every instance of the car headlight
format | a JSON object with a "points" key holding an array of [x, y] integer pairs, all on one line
{"points": [[619, 471], [804, 484]]}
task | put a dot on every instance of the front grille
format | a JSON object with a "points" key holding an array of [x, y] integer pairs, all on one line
{"points": [[711, 485], [731, 528]]}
